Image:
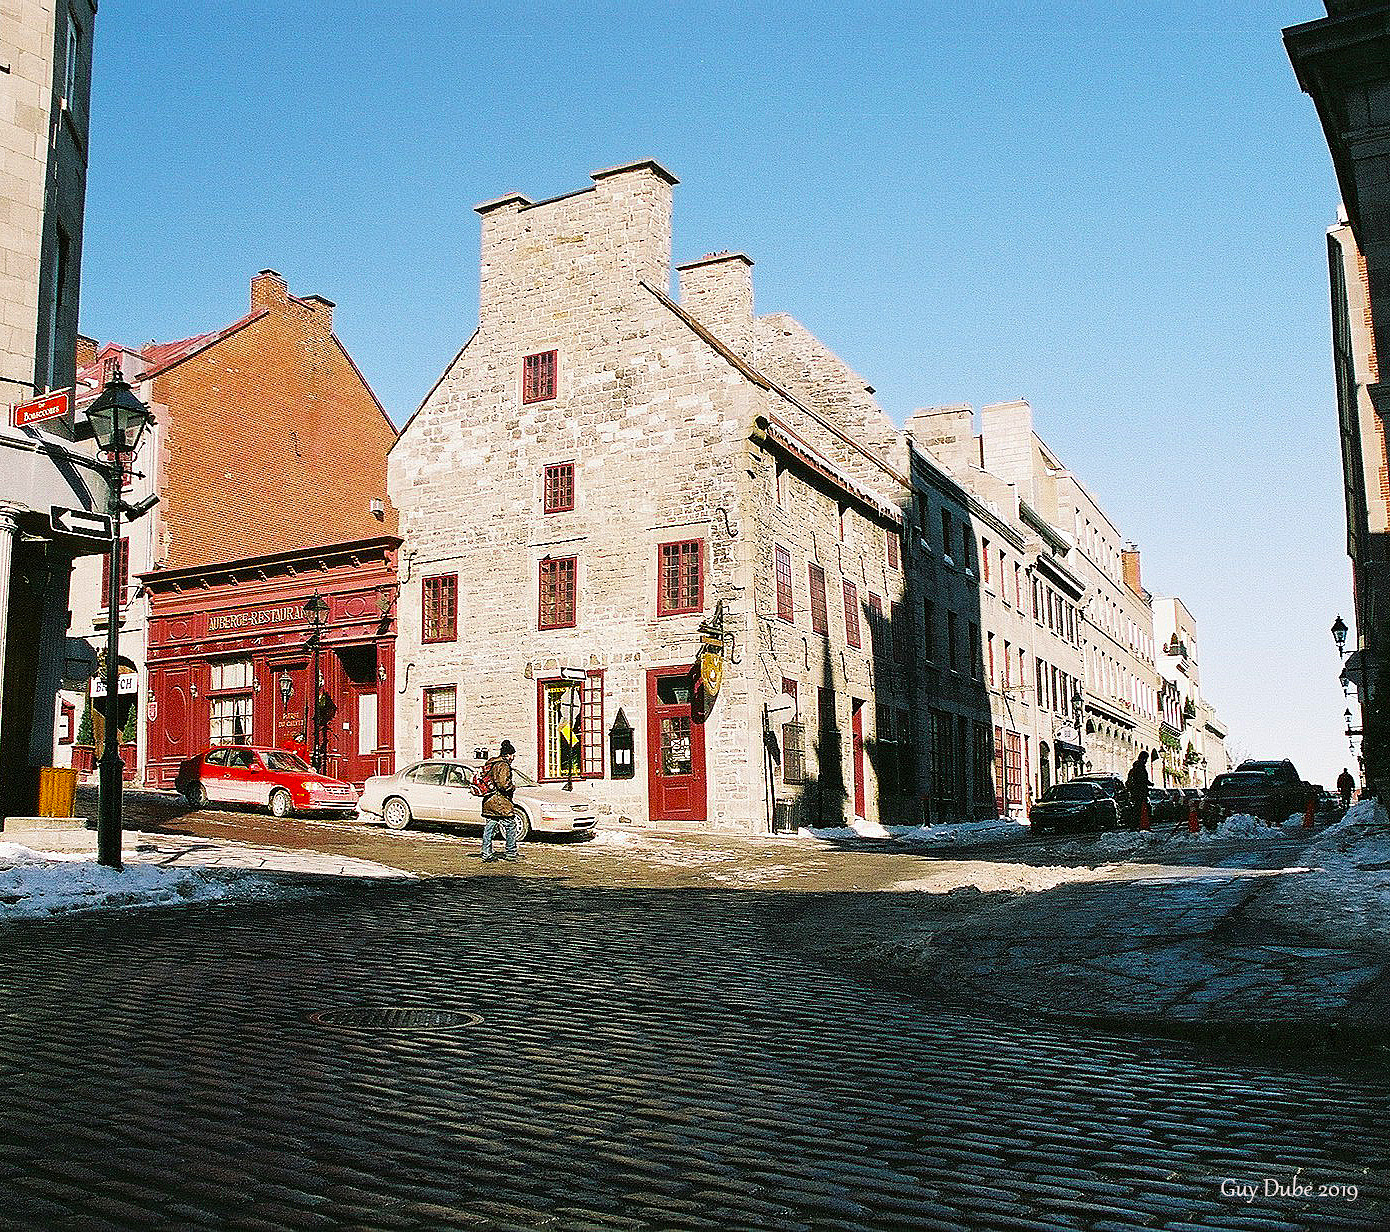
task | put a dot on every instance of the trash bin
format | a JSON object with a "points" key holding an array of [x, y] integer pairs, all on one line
{"points": [[57, 791]]}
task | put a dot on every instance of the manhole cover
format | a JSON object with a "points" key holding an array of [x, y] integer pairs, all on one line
{"points": [[373, 1018]]}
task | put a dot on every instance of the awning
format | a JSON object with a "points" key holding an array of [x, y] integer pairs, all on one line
{"points": [[1354, 670]]}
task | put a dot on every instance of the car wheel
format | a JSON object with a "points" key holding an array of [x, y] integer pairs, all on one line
{"points": [[280, 803], [523, 826], [195, 795], [395, 813]]}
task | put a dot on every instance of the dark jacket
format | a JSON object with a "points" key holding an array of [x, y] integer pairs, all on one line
{"points": [[1345, 784], [1137, 784], [499, 803]]}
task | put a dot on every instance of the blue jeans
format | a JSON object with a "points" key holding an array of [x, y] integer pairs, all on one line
{"points": [[508, 825]]}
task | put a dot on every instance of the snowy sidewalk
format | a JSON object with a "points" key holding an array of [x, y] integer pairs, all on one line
{"points": [[163, 871], [1251, 931]]}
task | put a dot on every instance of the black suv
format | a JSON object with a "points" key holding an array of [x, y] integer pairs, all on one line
{"points": [[1112, 786], [1270, 790]]}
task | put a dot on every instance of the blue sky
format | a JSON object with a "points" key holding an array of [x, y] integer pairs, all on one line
{"points": [[1115, 212]]}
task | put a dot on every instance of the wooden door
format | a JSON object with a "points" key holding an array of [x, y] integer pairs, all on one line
{"points": [[171, 733], [676, 748], [359, 722], [857, 728]]}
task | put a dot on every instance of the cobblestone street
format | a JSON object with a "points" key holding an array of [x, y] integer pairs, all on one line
{"points": [[643, 1057]]}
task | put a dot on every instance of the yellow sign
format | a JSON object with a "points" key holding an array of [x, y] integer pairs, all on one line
{"points": [[711, 673]]}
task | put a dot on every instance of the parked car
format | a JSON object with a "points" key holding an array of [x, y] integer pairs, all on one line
{"points": [[441, 791], [272, 778], [1167, 806], [1288, 792], [1255, 792], [1114, 787], [1074, 806]]}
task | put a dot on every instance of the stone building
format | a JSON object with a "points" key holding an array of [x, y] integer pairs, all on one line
{"points": [[607, 486], [1343, 64], [1200, 751], [268, 454], [45, 80]]}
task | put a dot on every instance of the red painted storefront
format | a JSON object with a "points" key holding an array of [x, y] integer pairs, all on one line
{"points": [[225, 639]]}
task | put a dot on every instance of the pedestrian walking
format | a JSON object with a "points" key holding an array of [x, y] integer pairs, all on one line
{"points": [[498, 809], [1137, 787], [1345, 786]]}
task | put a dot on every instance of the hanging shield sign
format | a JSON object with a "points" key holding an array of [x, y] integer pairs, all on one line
{"points": [[711, 673]]}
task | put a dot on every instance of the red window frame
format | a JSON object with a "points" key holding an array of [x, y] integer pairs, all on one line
{"points": [[557, 603], [815, 580], [852, 637], [557, 483], [439, 599], [783, 564], [680, 577], [591, 729], [890, 542], [435, 722], [540, 376], [123, 551]]}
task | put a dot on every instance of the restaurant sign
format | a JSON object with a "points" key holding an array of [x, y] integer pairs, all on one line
{"points": [[255, 618]]}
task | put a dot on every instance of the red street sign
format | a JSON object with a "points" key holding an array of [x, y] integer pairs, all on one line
{"points": [[51, 406]]}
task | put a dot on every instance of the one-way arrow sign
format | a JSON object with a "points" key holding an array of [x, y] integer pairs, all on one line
{"points": [[80, 522]]}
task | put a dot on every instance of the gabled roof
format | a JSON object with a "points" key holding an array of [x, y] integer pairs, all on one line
{"points": [[161, 356]]}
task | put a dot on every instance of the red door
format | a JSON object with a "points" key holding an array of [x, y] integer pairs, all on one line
{"points": [[171, 734], [361, 738], [857, 727], [292, 708], [676, 766]]}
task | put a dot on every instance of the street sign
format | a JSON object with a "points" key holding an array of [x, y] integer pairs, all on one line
{"points": [[127, 685], [50, 406], [80, 522]]}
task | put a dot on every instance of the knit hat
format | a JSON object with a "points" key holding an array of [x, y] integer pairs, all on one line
{"points": [[507, 747]]}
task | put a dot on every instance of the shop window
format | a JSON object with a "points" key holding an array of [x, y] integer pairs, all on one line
{"points": [[852, 615], [441, 721], [558, 592], [538, 376], [680, 578], [785, 610], [559, 487], [820, 619], [439, 605], [123, 576], [229, 719], [571, 728]]}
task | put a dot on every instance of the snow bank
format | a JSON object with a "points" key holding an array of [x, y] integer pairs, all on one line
{"points": [[34, 885], [948, 835]]}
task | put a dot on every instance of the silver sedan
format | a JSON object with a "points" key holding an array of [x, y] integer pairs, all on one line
{"points": [[441, 791]]}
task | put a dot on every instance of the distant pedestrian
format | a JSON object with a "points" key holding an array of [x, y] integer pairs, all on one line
{"points": [[498, 809], [1345, 786], [1137, 785]]}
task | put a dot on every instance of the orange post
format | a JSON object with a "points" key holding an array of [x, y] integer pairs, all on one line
{"points": [[1308, 813], [1192, 820], [1144, 814]]}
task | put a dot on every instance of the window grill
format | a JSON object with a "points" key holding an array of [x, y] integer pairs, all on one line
{"points": [[559, 487]]}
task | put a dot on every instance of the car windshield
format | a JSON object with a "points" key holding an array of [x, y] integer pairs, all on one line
{"points": [[1071, 791], [1241, 781], [291, 762]]}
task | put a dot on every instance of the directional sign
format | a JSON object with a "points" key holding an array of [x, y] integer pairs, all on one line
{"points": [[51, 406], [80, 522]]}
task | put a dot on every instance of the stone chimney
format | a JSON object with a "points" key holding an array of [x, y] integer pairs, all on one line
{"points": [[717, 290], [268, 290], [946, 433], [1129, 557]]}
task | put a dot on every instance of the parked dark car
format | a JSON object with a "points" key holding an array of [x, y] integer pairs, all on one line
{"points": [[1076, 805], [1168, 805], [1268, 796], [1289, 794], [1112, 786]]}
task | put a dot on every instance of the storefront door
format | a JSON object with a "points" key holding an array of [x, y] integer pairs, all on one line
{"points": [[359, 734], [291, 710], [676, 770], [857, 728]]}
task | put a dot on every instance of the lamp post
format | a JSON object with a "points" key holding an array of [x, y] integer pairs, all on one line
{"points": [[315, 609], [1339, 635], [118, 420], [286, 686]]}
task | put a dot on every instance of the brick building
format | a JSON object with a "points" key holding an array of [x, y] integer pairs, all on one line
{"points": [[606, 483], [1343, 64], [268, 455]]}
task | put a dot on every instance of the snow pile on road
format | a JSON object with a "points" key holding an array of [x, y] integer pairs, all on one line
{"points": [[1129, 842], [957, 834], [1345, 898], [37, 884]]}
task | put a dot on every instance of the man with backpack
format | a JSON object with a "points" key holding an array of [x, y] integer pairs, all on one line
{"points": [[498, 809]]}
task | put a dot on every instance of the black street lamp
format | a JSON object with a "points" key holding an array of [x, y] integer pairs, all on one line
{"points": [[316, 609], [118, 420], [1339, 635]]}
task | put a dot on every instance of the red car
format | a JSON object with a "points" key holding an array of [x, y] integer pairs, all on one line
{"points": [[274, 778]]}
